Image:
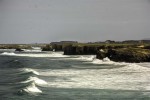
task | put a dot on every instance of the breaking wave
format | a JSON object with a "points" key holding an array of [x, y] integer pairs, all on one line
{"points": [[107, 61], [129, 77], [83, 58], [32, 82], [32, 89], [51, 54], [8, 53], [30, 70], [35, 80], [27, 50]]}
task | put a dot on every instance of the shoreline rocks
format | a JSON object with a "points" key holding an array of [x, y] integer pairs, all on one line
{"points": [[121, 53], [132, 55], [115, 52]]}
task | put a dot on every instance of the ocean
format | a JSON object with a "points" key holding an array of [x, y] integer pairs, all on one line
{"points": [[36, 75]]}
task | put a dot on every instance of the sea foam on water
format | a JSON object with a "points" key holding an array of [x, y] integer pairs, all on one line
{"points": [[30, 70], [32, 89], [50, 54]]}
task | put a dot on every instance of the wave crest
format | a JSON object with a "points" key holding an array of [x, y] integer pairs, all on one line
{"points": [[36, 80], [51, 54], [8, 53], [32, 89], [30, 70]]}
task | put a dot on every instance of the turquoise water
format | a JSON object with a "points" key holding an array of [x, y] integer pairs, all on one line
{"points": [[54, 76]]}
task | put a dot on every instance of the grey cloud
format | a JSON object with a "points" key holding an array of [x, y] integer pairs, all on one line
{"points": [[30, 21]]}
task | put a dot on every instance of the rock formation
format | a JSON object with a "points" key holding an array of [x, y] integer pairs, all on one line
{"points": [[18, 49], [81, 50], [125, 55]]}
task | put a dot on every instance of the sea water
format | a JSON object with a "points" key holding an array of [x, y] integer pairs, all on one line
{"points": [[33, 75]]}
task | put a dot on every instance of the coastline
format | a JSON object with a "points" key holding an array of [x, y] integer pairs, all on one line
{"points": [[118, 52]]}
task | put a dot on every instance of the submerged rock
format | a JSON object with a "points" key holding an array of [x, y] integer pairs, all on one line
{"points": [[125, 55], [18, 49]]}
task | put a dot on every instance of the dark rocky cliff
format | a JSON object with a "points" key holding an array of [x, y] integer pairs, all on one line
{"points": [[81, 50], [125, 55], [121, 53]]}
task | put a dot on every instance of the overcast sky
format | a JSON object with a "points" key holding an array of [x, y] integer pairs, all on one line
{"points": [[35, 21]]}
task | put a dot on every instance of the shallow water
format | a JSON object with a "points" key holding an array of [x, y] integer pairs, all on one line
{"points": [[54, 76]]}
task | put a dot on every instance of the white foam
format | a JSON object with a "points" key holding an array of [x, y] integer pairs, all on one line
{"points": [[8, 53], [90, 58], [32, 50], [107, 61], [57, 54], [36, 80], [129, 77], [83, 58], [134, 67], [36, 48], [50, 54], [30, 70], [32, 89]]}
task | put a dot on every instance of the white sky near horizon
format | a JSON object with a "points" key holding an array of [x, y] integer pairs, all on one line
{"points": [[43, 21]]}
